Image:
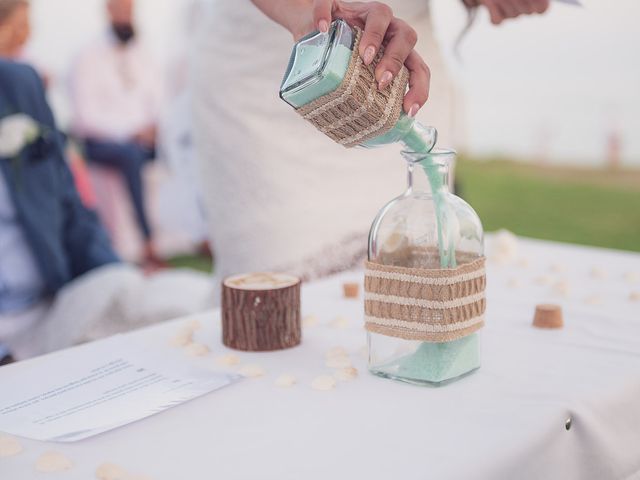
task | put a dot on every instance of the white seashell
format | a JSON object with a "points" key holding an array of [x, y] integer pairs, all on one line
{"points": [[562, 288], [252, 371], [9, 446], [197, 350], [513, 283], [558, 268], [395, 242], [544, 280], [110, 471], [309, 321], [346, 374], [336, 352], [194, 325], [324, 382], [632, 277], [598, 273], [228, 360], [593, 300], [504, 247], [523, 262], [634, 296], [338, 362], [286, 380], [339, 322], [182, 338], [50, 462]]}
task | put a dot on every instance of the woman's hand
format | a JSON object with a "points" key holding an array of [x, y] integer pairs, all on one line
{"points": [[379, 27], [500, 10]]}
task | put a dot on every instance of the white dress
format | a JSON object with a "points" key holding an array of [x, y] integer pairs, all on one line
{"points": [[280, 195]]}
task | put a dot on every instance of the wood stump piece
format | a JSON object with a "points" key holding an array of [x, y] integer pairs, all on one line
{"points": [[261, 312], [548, 316]]}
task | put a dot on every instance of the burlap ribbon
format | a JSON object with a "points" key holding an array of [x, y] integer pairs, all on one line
{"points": [[438, 305], [357, 111]]}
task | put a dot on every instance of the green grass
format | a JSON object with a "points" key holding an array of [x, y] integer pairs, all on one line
{"points": [[589, 207], [200, 263], [584, 206]]}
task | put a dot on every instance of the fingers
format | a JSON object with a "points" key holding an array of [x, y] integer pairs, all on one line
{"points": [[401, 40], [322, 14], [540, 6], [508, 9], [377, 22], [419, 80], [500, 10], [495, 13], [525, 6]]}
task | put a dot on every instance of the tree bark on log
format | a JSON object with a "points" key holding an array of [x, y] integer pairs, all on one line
{"points": [[261, 312]]}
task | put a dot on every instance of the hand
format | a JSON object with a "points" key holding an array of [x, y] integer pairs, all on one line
{"points": [[146, 137], [500, 10], [379, 27]]}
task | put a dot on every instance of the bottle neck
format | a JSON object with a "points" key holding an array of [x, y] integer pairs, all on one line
{"points": [[417, 138], [427, 177]]}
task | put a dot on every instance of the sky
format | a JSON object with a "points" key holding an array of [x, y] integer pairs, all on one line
{"points": [[555, 86]]}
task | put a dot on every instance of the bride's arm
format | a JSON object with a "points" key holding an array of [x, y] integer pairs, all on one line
{"points": [[379, 25]]}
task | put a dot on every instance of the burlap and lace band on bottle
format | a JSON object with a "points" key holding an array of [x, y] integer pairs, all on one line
{"points": [[357, 111], [430, 305]]}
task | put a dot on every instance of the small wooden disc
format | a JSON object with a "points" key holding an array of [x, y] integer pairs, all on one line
{"points": [[261, 312], [351, 290], [548, 316]]}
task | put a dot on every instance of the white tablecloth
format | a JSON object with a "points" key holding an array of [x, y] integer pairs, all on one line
{"points": [[506, 421]]}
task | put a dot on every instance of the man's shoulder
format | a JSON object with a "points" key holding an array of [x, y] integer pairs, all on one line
{"points": [[16, 72]]}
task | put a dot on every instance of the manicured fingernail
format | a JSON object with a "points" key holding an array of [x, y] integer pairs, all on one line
{"points": [[413, 111], [385, 79], [369, 52], [323, 26]]}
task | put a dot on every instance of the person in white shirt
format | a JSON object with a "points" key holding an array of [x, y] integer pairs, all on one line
{"points": [[117, 95]]}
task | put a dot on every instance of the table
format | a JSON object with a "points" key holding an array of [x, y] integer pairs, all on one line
{"points": [[508, 420]]}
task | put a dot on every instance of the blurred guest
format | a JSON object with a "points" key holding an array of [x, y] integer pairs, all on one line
{"points": [[15, 28], [47, 237], [116, 96], [60, 281]]}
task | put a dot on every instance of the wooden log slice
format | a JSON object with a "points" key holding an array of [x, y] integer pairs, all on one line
{"points": [[261, 312]]}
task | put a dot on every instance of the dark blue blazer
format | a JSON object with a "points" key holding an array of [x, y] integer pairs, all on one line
{"points": [[66, 238]]}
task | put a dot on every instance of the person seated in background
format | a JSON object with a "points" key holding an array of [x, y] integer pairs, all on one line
{"points": [[60, 281], [116, 101], [47, 237]]}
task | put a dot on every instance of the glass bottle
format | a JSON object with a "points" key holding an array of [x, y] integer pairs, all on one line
{"points": [[317, 67], [427, 227]]}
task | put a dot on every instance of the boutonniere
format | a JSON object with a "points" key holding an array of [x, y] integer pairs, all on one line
{"points": [[23, 138], [17, 132]]}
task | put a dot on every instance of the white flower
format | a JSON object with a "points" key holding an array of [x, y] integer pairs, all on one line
{"points": [[16, 132]]}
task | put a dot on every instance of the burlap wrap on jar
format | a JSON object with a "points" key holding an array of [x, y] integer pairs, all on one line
{"points": [[357, 111], [430, 305]]}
